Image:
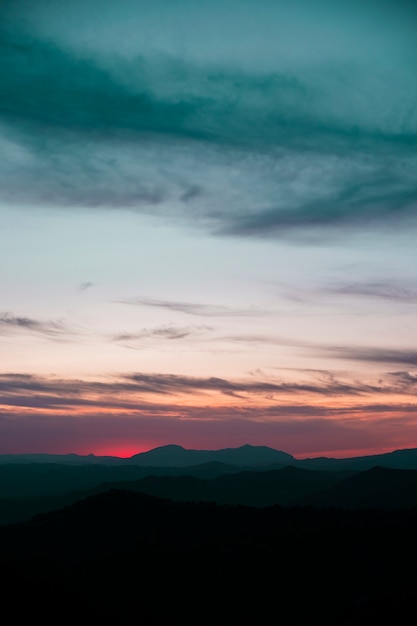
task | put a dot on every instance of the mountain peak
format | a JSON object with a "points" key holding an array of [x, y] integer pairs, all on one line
{"points": [[244, 456]]}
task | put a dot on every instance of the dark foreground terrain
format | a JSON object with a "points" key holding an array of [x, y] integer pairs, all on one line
{"points": [[122, 557]]}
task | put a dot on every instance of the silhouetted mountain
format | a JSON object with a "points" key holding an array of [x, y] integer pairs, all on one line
{"points": [[248, 457], [28, 489], [165, 456], [66, 459], [260, 488], [120, 557], [38, 479], [398, 459], [378, 487], [255, 489], [176, 456], [52, 487], [48, 479]]}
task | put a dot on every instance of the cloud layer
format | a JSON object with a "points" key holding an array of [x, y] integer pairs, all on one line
{"points": [[139, 411], [138, 390], [215, 202], [308, 122]]}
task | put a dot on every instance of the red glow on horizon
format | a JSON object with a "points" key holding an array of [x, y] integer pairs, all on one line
{"points": [[122, 451], [129, 450]]}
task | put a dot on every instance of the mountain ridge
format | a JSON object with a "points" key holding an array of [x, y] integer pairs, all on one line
{"points": [[170, 455], [249, 456], [375, 488], [113, 555]]}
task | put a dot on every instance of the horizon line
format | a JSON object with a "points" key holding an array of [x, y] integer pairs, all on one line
{"points": [[130, 455]]}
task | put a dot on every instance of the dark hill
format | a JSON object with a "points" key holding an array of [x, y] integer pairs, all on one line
{"points": [[173, 457], [123, 557], [397, 459], [378, 487], [21, 480], [251, 488], [289, 486], [256, 489]]}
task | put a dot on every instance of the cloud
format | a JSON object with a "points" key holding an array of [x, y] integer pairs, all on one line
{"points": [[235, 132], [122, 398], [384, 290], [54, 330], [389, 291], [348, 208], [129, 391], [370, 354], [383, 356], [302, 431], [49, 414], [160, 333], [404, 381], [193, 308], [85, 286], [187, 384]]}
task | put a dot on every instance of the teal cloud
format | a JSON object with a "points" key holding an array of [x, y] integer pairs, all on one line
{"points": [[304, 135]]}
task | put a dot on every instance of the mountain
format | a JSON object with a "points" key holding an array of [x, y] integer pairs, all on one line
{"points": [[397, 459], [249, 475], [378, 487], [381, 488], [50, 487], [67, 459], [165, 456], [177, 456], [123, 557], [22, 480], [252, 476], [283, 487], [248, 457]]}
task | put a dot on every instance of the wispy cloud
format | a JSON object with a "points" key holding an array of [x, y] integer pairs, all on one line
{"points": [[344, 292], [193, 308], [54, 330], [383, 356], [404, 381], [85, 286], [301, 429], [131, 390], [187, 384], [160, 333], [384, 290]]}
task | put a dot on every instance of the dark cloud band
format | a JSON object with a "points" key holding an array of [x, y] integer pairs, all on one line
{"points": [[251, 149]]}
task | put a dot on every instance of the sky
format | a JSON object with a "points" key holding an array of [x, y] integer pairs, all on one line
{"points": [[208, 219]]}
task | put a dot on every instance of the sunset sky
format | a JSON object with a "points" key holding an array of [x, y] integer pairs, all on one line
{"points": [[208, 220]]}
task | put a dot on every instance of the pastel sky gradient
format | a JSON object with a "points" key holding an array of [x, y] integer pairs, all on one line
{"points": [[208, 220]]}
